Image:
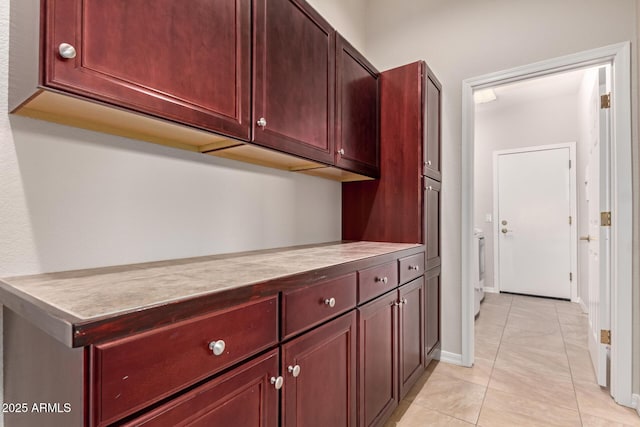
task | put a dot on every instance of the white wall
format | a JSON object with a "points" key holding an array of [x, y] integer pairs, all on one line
{"points": [[544, 121], [71, 198], [468, 38]]}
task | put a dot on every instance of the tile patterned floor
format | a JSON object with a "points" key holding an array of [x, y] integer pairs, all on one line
{"points": [[532, 368]]}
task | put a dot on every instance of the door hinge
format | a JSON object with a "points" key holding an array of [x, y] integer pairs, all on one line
{"points": [[570, 220], [605, 100], [605, 219], [569, 164], [605, 336], [571, 277]]}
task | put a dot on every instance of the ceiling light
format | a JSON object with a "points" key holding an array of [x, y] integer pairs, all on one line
{"points": [[484, 95]]}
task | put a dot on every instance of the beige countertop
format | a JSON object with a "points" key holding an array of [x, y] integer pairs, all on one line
{"points": [[96, 293]]}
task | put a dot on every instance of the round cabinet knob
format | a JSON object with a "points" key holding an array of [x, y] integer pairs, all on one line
{"points": [[430, 188], [404, 301], [382, 279], [341, 151], [67, 51], [331, 302], [217, 347], [294, 370], [428, 162], [414, 267], [262, 122], [277, 382]]}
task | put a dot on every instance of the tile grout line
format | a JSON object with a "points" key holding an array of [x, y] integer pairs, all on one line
{"points": [[573, 384]]}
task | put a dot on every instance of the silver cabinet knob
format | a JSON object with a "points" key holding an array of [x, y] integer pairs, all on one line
{"points": [[428, 162], [430, 188], [414, 267], [294, 370], [262, 122], [404, 301], [67, 51], [341, 151], [331, 302], [277, 382], [382, 279], [217, 347]]}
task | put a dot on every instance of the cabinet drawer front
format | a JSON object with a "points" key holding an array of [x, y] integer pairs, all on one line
{"points": [[411, 267], [309, 306], [240, 397], [376, 280], [135, 371]]}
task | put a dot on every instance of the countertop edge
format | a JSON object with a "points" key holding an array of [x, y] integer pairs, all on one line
{"points": [[75, 332]]}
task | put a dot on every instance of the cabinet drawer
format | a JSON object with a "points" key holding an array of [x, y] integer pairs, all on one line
{"points": [[411, 267], [376, 280], [311, 305], [136, 371], [238, 398]]}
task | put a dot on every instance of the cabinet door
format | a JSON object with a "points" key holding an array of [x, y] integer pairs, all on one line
{"points": [[377, 359], [243, 397], [189, 64], [432, 312], [357, 112], [432, 137], [411, 358], [432, 222], [294, 90], [323, 393]]}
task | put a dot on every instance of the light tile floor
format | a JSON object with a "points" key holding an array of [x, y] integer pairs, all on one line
{"points": [[532, 368]]}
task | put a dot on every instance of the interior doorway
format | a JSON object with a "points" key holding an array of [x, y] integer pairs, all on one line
{"points": [[618, 57]]}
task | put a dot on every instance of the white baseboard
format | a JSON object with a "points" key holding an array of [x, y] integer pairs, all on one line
{"points": [[452, 358], [583, 306], [635, 402], [491, 290]]}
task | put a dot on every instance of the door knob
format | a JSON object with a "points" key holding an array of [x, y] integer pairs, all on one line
{"points": [[67, 51]]}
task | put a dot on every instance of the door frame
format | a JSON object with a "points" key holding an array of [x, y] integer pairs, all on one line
{"points": [[573, 236], [619, 56]]}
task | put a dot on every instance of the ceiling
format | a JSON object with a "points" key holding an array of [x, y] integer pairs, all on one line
{"points": [[565, 83]]}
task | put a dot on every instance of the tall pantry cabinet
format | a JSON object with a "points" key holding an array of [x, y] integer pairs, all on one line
{"points": [[404, 204]]}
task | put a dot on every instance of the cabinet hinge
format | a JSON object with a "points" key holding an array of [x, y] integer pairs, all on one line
{"points": [[605, 100], [571, 277], [605, 219], [605, 336]]}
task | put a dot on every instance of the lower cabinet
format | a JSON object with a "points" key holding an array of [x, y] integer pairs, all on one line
{"points": [[411, 334], [432, 313], [319, 370], [378, 359], [244, 397], [390, 350]]}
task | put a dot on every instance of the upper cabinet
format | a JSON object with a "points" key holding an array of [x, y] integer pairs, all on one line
{"points": [[432, 131], [357, 111], [250, 80], [294, 89], [190, 65]]}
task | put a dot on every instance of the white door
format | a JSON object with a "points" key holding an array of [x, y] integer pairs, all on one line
{"points": [[597, 194], [534, 229]]}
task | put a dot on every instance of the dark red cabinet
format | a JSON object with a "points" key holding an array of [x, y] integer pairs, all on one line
{"points": [[432, 313], [188, 64], [432, 131], [294, 83], [432, 222], [324, 391], [411, 345], [357, 111], [243, 397], [378, 359], [390, 350]]}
